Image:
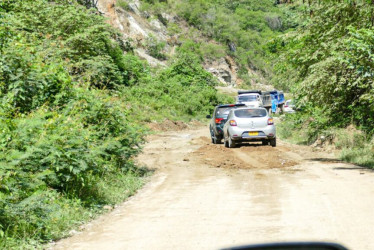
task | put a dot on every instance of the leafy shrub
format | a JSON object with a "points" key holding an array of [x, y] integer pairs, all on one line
{"points": [[173, 29], [330, 62], [77, 152], [43, 214], [66, 144], [212, 51], [155, 48], [90, 49], [123, 4], [183, 90], [27, 82]]}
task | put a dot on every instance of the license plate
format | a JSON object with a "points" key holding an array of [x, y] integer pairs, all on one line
{"points": [[253, 133]]}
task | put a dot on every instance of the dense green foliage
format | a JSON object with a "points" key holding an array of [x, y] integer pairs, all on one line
{"points": [[183, 90], [73, 101], [244, 27], [329, 63]]}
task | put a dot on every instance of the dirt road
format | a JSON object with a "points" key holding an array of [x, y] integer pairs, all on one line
{"points": [[205, 196]]}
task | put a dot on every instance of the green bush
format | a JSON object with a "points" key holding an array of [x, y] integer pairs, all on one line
{"points": [[65, 32], [123, 4], [155, 48], [83, 152], [182, 91], [329, 62], [66, 143]]}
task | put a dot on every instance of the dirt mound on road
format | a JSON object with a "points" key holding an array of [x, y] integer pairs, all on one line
{"points": [[247, 156], [167, 125]]}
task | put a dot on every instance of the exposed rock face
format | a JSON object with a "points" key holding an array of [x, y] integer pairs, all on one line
{"points": [[134, 6], [133, 26], [222, 75], [225, 70]]}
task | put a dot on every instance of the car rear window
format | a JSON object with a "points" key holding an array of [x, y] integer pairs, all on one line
{"points": [[248, 113], [223, 112]]}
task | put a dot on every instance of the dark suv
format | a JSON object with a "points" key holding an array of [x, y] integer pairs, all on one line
{"points": [[218, 121]]}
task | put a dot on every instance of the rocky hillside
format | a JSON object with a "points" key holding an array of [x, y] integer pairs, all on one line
{"points": [[156, 38]]}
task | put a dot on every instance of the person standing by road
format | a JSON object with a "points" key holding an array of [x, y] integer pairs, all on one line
{"points": [[274, 104]]}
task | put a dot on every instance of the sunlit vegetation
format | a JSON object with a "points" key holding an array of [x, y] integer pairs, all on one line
{"points": [[243, 27], [73, 103], [328, 64]]}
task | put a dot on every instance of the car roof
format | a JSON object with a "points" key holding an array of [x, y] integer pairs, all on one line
{"points": [[248, 94], [250, 108], [254, 91]]}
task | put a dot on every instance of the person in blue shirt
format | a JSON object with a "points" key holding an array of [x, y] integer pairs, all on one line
{"points": [[274, 104]]}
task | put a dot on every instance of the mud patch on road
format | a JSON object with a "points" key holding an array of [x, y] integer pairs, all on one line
{"points": [[167, 125], [247, 156]]}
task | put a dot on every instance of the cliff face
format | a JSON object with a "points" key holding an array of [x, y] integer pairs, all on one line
{"points": [[134, 26]]}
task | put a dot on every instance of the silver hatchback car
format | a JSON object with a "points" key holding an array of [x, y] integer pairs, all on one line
{"points": [[249, 124]]}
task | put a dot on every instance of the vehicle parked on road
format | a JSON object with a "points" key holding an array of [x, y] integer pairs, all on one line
{"points": [[289, 107], [218, 119], [273, 101], [251, 98], [249, 124]]}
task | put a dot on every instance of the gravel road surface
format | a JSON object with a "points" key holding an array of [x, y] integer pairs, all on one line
{"points": [[205, 196]]}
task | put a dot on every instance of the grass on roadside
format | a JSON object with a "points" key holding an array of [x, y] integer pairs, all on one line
{"points": [[353, 145], [49, 215]]}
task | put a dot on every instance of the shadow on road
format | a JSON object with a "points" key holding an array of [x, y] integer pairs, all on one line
{"points": [[327, 160], [352, 167]]}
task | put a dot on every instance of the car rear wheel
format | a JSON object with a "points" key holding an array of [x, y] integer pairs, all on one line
{"points": [[218, 139], [273, 142], [232, 144], [226, 142], [212, 136]]}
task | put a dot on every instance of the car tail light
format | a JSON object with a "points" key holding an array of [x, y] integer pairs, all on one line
{"points": [[218, 120], [270, 121], [233, 123], [286, 106]]}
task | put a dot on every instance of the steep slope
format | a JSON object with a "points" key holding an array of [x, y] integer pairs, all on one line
{"points": [[166, 32]]}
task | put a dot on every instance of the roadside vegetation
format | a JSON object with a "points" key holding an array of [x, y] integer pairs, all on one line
{"points": [[328, 64], [74, 101]]}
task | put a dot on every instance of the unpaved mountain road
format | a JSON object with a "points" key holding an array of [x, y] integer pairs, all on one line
{"points": [[205, 196]]}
